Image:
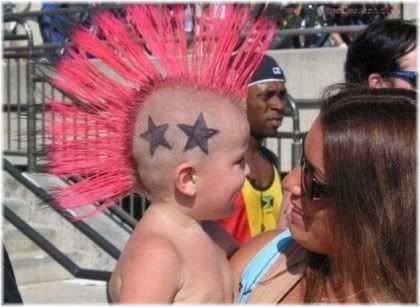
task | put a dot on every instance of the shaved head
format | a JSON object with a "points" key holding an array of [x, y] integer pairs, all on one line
{"points": [[180, 123]]}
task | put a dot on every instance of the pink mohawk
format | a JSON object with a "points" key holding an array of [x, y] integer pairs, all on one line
{"points": [[91, 137]]}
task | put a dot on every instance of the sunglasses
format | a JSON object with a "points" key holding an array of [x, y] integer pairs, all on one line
{"points": [[408, 75], [312, 188]]}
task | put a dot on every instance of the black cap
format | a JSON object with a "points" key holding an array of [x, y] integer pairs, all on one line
{"points": [[268, 70]]}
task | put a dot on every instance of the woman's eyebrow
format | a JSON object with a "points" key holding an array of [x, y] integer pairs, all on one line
{"points": [[318, 174]]}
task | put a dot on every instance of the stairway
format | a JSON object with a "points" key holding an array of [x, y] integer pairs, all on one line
{"points": [[39, 277]]}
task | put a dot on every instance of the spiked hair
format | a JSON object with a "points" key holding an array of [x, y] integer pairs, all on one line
{"points": [[92, 136]]}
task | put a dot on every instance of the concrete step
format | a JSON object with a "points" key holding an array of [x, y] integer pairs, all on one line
{"points": [[36, 266], [16, 242], [18, 194], [66, 236], [22, 208], [64, 291]]}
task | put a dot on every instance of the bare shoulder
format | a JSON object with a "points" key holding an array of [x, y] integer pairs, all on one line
{"points": [[241, 258], [152, 248], [152, 264]]}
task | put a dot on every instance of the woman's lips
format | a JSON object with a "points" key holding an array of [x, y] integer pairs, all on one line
{"points": [[297, 215]]}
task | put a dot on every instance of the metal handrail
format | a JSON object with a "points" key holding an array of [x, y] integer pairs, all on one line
{"points": [[92, 234], [294, 112], [31, 114], [112, 212], [14, 37], [53, 251], [296, 136], [15, 107], [328, 29], [124, 217]]}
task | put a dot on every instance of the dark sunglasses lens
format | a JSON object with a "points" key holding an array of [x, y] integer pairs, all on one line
{"points": [[318, 191], [306, 180]]}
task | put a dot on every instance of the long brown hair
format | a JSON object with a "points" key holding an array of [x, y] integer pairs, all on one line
{"points": [[369, 138]]}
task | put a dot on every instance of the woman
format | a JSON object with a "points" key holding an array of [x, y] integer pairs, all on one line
{"points": [[353, 217]]}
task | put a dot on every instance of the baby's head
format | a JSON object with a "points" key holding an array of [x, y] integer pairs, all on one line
{"points": [[169, 123], [189, 146]]}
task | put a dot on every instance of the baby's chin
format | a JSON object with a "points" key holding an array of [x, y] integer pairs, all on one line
{"points": [[229, 210]]}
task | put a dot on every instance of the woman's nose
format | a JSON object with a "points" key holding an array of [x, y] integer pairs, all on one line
{"points": [[291, 182]]}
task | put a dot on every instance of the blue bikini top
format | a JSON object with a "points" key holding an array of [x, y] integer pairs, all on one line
{"points": [[261, 263]]}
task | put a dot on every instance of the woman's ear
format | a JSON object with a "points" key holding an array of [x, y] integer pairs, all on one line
{"points": [[375, 80], [186, 179]]}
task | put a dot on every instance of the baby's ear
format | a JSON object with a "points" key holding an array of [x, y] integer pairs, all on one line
{"points": [[186, 179]]}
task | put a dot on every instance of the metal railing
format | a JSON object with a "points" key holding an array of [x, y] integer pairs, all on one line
{"points": [[24, 98], [296, 134], [45, 197], [51, 250], [328, 29]]}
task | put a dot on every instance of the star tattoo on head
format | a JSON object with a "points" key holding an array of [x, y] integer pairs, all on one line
{"points": [[155, 136], [198, 134]]}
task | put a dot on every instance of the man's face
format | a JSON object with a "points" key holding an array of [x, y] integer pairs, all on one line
{"points": [[265, 106]]}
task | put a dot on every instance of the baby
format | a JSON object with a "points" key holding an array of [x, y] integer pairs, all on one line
{"points": [[192, 158], [179, 137]]}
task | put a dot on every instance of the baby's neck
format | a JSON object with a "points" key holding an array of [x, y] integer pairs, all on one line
{"points": [[174, 214]]}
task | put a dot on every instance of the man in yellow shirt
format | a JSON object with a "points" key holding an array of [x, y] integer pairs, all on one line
{"points": [[258, 206]]}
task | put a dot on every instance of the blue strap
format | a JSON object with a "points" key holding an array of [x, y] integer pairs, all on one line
{"points": [[261, 263]]}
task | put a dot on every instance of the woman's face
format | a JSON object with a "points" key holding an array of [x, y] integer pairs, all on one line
{"points": [[311, 220]]}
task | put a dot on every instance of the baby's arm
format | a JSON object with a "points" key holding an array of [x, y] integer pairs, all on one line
{"points": [[151, 272]]}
